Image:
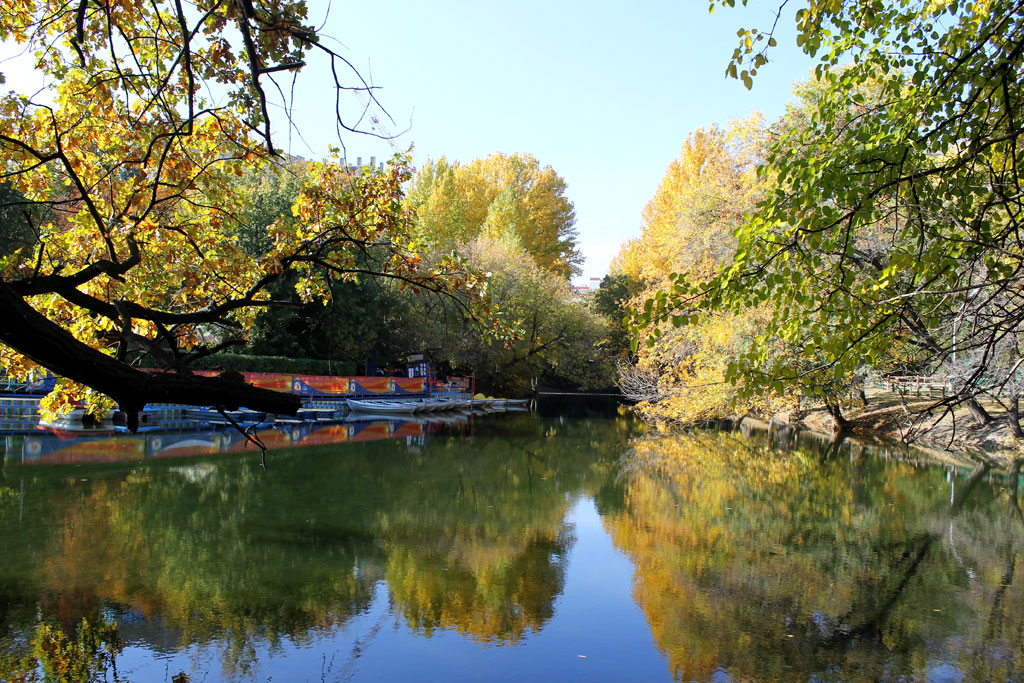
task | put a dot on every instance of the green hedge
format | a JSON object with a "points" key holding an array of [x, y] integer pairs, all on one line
{"points": [[297, 366]]}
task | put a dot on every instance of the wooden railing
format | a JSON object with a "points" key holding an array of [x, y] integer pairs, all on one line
{"points": [[917, 384]]}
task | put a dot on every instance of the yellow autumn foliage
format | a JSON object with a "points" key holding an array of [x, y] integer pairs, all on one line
{"points": [[503, 196], [687, 233], [124, 172]]}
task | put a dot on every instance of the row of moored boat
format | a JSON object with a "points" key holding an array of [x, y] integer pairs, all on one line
{"points": [[419, 405]]}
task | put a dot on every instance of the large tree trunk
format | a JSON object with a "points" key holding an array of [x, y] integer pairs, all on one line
{"points": [[34, 336], [839, 423], [1014, 417], [979, 413]]}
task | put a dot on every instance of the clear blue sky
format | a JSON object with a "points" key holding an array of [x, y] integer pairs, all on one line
{"points": [[605, 92]]}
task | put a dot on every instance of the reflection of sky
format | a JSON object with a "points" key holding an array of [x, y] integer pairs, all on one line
{"points": [[597, 634], [942, 672]]}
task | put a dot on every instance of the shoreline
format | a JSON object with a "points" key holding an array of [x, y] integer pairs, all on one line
{"points": [[948, 437]]}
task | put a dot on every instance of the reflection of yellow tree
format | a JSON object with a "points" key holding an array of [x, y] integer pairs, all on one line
{"points": [[189, 560], [84, 538], [467, 534], [497, 603], [782, 565], [88, 654], [478, 546]]}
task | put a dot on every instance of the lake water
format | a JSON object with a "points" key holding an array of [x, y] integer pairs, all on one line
{"points": [[519, 548]]}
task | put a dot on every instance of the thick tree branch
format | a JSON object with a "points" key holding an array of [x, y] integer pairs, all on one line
{"points": [[30, 333]]}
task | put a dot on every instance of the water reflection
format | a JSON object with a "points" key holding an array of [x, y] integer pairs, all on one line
{"points": [[818, 563], [58, 447], [467, 535], [751, 562]]}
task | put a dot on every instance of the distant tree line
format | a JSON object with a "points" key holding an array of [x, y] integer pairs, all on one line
{"points": [[504, 216]]}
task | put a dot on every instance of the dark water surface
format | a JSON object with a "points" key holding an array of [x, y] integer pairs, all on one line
{"points": [[528, 548]]}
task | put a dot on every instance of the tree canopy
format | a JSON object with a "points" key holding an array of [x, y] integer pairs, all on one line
{"points": [[502, 196], [889, 234], [688, 230], [559, 337], [125, 173]]}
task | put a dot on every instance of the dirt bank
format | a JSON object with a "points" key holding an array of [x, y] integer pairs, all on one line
{"points": [[917, 420]]}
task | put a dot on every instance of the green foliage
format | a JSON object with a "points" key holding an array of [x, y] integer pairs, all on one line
{"points": [[611, 300], [344, 327], [17, 219], [559, 336], [265, 196], [357, 321], [508, 202], [240, 362], [889, 236]]}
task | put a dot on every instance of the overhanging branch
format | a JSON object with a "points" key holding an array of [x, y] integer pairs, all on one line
{"points": [[31, 334]]}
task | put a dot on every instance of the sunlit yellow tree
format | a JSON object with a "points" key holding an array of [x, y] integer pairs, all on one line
{"points": [[688, 232], [501, 195], [126, 171]]}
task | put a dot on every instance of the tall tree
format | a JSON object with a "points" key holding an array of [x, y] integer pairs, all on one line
{"points": [[498, 195], [688, 232], [136, 164], [688, 225], [892, 229]]}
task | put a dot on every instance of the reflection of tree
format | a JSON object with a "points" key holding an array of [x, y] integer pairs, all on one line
{"points": [[474, 535], [497, 604], [189, 553], [791, 564], [984, 542], [88, 654], [467, 534]]}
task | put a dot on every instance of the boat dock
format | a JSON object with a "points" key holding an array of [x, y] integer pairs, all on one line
{"points": [[324, 400]]}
